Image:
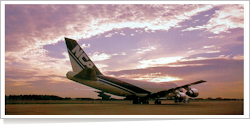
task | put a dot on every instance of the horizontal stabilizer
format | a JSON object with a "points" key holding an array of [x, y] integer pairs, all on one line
{"points": [[87, 74]]}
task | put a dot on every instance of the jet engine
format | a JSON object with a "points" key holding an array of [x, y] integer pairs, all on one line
{"points": [[181, 95], [192, 92]]}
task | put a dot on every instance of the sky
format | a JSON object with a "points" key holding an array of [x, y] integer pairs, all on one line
{"points": [[179, 43]]}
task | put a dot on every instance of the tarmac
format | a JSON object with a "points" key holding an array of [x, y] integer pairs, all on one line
{"points": [[124, 107]]}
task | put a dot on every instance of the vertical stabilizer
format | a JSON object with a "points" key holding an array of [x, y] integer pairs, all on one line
{"points": [[78, 58]]}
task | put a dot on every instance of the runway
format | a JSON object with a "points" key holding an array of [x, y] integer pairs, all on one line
{"points": [[98, 107]]}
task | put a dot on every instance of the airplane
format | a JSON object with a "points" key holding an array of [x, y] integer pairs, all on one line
{"points": [[85, 72]]}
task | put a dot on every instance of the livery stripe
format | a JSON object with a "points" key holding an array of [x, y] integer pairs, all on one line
{"points": [[77, 61]]}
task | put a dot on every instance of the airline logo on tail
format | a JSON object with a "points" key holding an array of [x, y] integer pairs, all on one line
{"points": [[81, 56], [78, 58]]}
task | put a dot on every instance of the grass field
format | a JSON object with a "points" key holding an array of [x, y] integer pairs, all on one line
{"points": [[122, 107]]}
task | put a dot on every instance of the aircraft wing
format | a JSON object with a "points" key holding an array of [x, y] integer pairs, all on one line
{"points": [[166, 92], [190, 84]]}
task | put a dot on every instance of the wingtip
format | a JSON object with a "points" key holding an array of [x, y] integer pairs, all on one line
{"points": [[203, 81]]}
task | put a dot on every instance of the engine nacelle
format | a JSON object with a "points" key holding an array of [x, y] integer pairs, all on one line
{"points": [[181, 95], [192, 92]]}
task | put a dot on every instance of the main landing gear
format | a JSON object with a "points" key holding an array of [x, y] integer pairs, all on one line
{"points": [[140, 101], [145, 101], [180, 100]]}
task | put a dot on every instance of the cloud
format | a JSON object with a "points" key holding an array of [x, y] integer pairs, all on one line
{"points": [[212, 70], [85, 46], [218, 36], [120, 53], [109, 35], [226, 18], [20, 80], [194, 28], [145, 49], [191, 51], [139, 31], [216, 51], [96, 56], [206, 15], [212, 46], [158, 61], [99, 57], [212, 49], [151, 77], [238, 57], [26, 29], [27, 33], [27, 70], [123, 34]]}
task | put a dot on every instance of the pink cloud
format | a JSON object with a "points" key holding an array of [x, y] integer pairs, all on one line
{"points": [[36, 25], [226, 18]]}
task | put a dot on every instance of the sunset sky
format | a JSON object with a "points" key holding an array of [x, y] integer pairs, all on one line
{"points": [[159, 43]]}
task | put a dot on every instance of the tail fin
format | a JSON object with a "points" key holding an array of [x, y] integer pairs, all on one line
{"points": [[78, 58]]}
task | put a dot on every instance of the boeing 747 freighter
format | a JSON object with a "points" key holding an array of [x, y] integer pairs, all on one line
{"points": [[86, 73]]}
